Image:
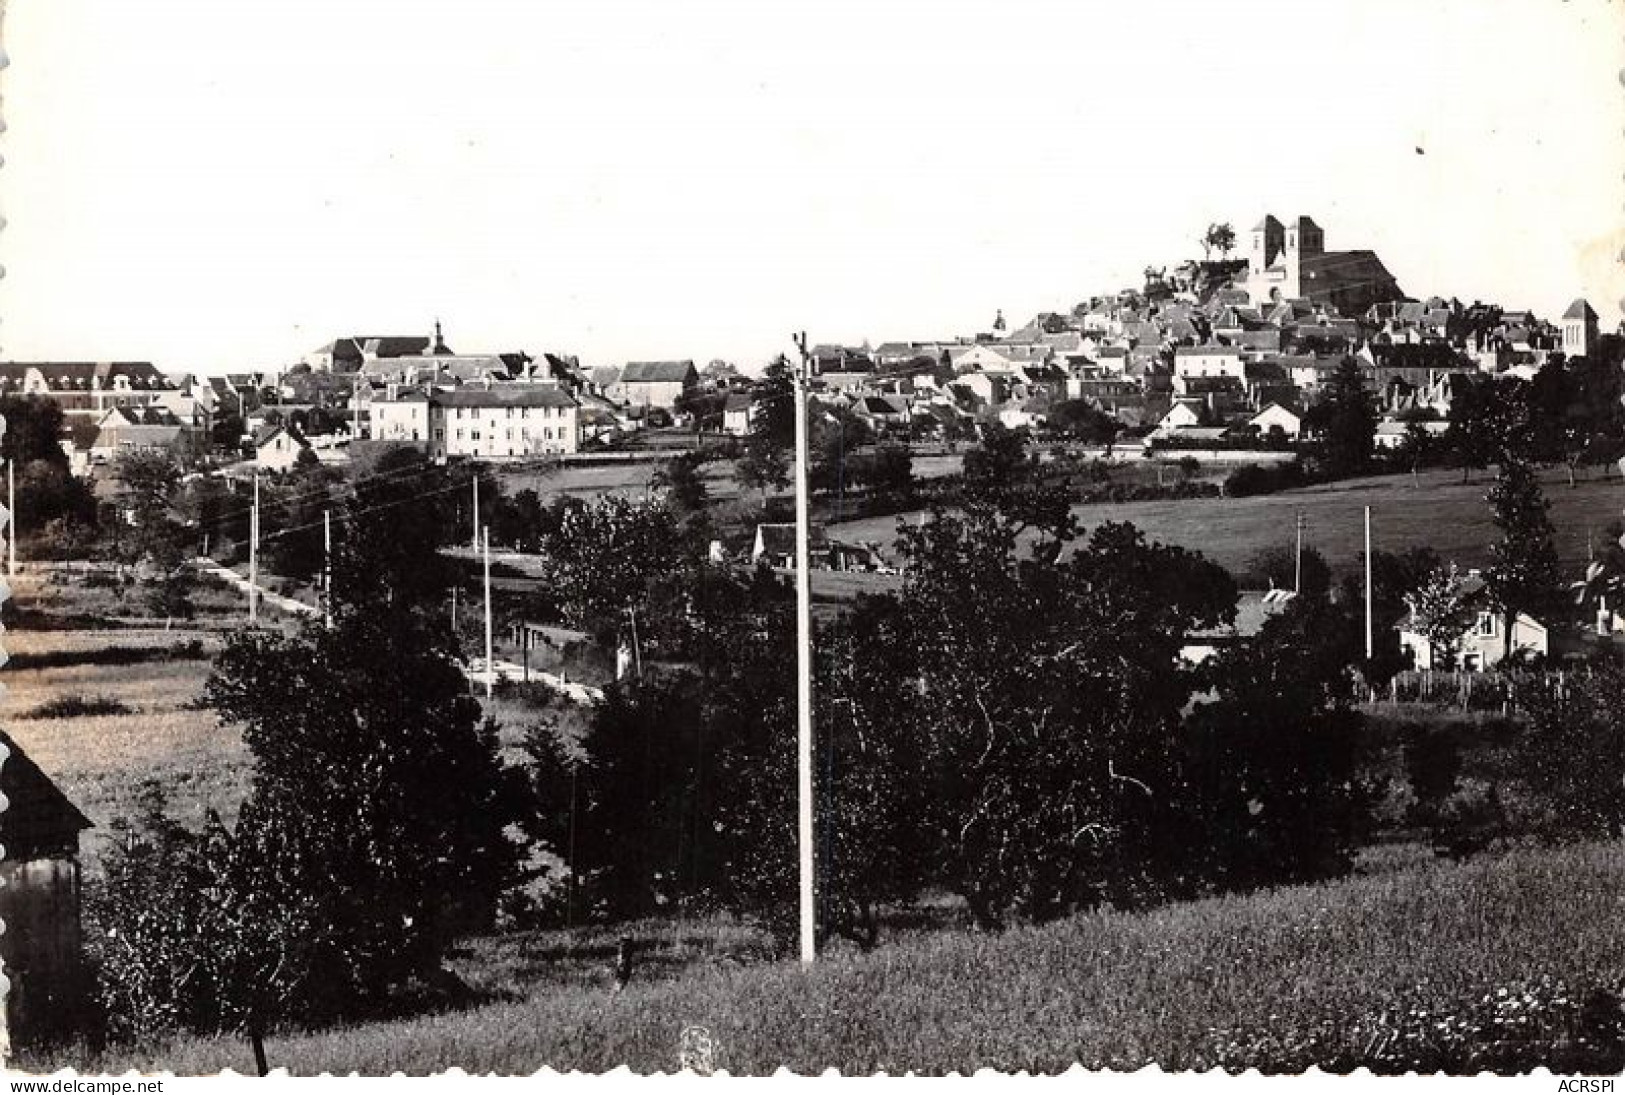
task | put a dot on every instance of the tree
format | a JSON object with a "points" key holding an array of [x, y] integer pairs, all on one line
{"points": [[150, 480], [1416, 448], [889, 470], [47, 491], [1350, 421], [34, 428], [1490, 421], [1270, 764], [1001, 475], [1523, 572], [628, 800], [1047, 697], [173, 950], [1081, 419], [684, 484], [1221, 237], [762, 467], [292, 533], [1442, 611], [600, 557], [1278, 568], [373, 832], [773, 420], [404, 509]]}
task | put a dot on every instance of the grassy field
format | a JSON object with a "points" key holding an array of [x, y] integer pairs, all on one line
{"points": [[1405, 966], [1439, 510], [64, 592], [630, 478], [99, 760]]}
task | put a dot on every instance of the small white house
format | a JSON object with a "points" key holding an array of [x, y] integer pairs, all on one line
{"points": [[737, 414], [1391, 433], [1276, 417], [1484, 643], [1183, 415], [277, 448]]}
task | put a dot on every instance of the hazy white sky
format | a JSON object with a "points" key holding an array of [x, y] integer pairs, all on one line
{"points": [[226, 183]]}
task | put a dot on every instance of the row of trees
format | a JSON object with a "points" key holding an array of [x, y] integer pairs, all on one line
{"points": [[1570, 413]]}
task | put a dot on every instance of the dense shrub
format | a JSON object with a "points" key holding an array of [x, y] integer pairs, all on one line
{"points": [[1253, 479], [190, 650], [78, 706]]}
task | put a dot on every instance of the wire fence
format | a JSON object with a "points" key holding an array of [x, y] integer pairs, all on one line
{"points": [[1503, 691]]}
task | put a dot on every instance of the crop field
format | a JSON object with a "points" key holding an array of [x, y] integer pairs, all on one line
{"points": [[1414, 963], [1439, 511]]}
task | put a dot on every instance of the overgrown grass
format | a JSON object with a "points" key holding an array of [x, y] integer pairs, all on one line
{"points": [[1408, 967], [76, 706]]}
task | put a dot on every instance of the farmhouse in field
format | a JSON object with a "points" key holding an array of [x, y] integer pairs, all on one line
{"points": [[39, 901]]}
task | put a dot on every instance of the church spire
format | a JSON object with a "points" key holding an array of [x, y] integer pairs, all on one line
{"points": [[438, 348]]}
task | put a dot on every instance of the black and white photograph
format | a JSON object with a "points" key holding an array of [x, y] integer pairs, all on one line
{"points": [[719, 537]]}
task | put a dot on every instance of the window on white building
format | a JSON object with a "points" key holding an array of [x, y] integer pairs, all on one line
{"points": [[1486, 624]]}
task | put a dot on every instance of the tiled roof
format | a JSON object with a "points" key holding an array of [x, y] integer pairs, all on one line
{"points": [[657, 372], [503, 395]]}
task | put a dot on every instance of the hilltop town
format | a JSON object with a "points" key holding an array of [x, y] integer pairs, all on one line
{"points": [[1216, 351]]}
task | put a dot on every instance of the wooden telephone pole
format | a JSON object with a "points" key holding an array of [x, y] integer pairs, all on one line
{"points": [[490, 667], [804, 720], [254, 558], [1297, 564]]}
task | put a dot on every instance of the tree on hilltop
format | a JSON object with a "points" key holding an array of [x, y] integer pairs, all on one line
{"points": [[1220, 237]]}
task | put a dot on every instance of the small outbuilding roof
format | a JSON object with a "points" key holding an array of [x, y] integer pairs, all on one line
{"points": [[39, 822]]}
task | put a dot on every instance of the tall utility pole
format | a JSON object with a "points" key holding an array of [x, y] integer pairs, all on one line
{"points": [[804, 723], [490, 669], [327, 567], [1370, 644], [637, 649], [11, 505], [476, 521], [1297, 564], [254, 558]]}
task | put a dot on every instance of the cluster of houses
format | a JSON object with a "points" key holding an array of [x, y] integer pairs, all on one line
{"points": [[1213, 352]]}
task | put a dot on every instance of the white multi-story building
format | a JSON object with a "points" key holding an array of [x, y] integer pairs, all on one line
{"points": [[496, 422], [86, 389], [1210, 360]]}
